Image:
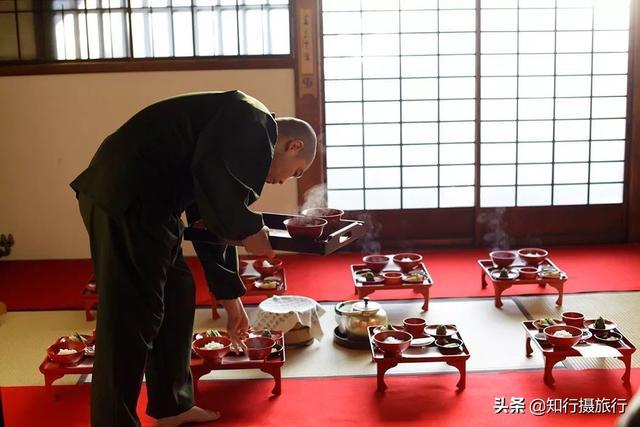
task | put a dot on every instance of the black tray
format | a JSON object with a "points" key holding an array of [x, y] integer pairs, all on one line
{"points": [[332, 239]]}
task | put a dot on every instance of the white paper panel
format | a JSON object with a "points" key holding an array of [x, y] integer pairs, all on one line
{"points": [[456, 197], [420, 154], [419, 133], [534, 195], [346, 199], [497, 196], [382, 156], [574, 151], [570, 194], [344, 156], [534, 174], [535, 152], [382, 199], [420, 198], [497, 153], [343, 134], [344, 178], [605, 193], [384, 133], [498, 175], [382, 177], [420, 176], [381, 89]]}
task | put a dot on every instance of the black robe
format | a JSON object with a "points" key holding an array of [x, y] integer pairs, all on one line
{"points": [[206, 152]]}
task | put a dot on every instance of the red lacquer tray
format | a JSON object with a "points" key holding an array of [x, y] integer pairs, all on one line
{"points": [[53, 371], [430, 353], [364, 288], [553, 355], [500, 285], [270, 365], [339, 236]]}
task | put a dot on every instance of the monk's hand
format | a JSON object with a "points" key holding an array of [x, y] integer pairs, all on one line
{"points": [[237, 322], [258, 244]]}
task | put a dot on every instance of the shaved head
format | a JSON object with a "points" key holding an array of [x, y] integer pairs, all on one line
{"points": [[290, 128]]}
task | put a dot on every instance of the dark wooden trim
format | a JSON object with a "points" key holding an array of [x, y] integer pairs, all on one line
{"points": [[632, 176], [544, 225], [415, 228], [309, 86], [398, 245], [149, 64], [498, 228]]}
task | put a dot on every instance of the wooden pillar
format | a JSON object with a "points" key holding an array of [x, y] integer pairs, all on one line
{"points": [[633, 129], [306, 27]]}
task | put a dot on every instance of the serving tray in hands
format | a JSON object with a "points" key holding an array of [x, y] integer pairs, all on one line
{"points": [[332, 239]]}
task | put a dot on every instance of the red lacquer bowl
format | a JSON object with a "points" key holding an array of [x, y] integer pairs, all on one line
{"points": [[532, 256], [275, 264], [415, 326], [332, 216], [502, 258], [528, 273], [449, 345], [392, 277], [305, 227], [258, 348], [573, 318], [392, 348], [217, 354], [407, 261], [66, 359], [576, 335], [376, 262]]}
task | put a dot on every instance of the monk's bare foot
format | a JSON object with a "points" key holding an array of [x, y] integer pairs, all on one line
{"points": [[193, 415]]}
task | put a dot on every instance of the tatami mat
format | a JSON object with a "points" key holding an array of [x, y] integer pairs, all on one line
{"points": [[620, 307], [24, 338], [476, 320], [494, 337]]}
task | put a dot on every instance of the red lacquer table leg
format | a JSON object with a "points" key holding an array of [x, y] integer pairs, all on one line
{"points": [[483, 282], [90, 302], [527, 345], [499, 289], [425, 293], [626, 377], [560, 288], [461, 366], [549, 362], [274, 371], [48, 383], [383, 367], [214, 308], [88, 315]]}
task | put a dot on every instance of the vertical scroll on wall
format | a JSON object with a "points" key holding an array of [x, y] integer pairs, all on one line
{"points": [[306, 24], [307, 77]]}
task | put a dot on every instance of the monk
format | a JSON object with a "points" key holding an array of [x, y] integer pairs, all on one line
{"points": [[211, 154]]}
